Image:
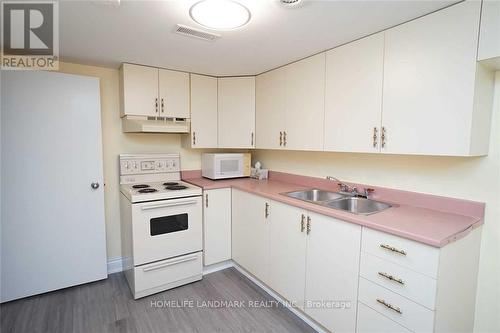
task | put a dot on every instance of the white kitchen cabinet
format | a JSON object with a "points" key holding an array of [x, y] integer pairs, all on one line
{"points": [[287, 263], [437, 98], [236, 112], [271, 109], [216, 225], [153, 92], [250, 233], [353, 98], [203, 112], [370, 321], [489, 34], [139, 90], [305, 103], [333, 249], [173, 93]]}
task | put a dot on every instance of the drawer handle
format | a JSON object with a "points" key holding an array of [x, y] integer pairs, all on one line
{"points": [[393, 249], [175, 262], [389, 306], [392, 278]]}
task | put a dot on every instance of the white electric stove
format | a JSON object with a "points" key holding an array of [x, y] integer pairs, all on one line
{"points": [[161, 219]]}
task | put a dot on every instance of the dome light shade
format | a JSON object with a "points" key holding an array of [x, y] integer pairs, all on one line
{"points": [[220, 14]]}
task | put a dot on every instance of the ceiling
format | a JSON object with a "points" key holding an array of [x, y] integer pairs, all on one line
{"points": [[93, 32]]}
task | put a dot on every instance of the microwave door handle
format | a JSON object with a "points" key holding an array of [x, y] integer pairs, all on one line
{"points": [[169, 204]]}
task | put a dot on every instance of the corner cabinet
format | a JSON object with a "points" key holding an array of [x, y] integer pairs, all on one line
{"points": [[203, 112], [437, 97], [236, 112]]}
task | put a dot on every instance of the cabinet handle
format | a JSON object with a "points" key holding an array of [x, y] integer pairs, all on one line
{"points": [[389, 306], [162, 106], [392, 278], [284, 138], [302, 223], [251, 141], [281, 139], [375, 137], [393, 249], [308, 225], [156, 105], [267, 210], [383, 137], [206, 200], [194, 138]]}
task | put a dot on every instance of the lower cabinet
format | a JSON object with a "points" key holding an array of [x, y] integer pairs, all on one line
{"points": [[250, 234], [216, 225], [331, 289], [370, 321], [287, 253]]}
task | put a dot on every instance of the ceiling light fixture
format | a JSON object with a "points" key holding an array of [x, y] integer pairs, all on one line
{"points": [[220, 14]]}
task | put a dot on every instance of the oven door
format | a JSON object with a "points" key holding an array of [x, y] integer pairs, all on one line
{"points": [[166, 228], [229, 166]]}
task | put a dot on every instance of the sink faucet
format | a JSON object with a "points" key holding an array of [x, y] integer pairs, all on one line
{"points": [[351, 190]]}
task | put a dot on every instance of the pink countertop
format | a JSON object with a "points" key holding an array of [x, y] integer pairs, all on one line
{"points": [[415, 216]]}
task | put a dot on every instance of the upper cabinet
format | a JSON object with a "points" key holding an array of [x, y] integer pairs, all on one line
{"points": [[271, 109], [489, 34], [353, 98], [153, 92], [173, 88], [236, 112], [203, 112], [436, 97], [305, 103], [139, 90], [290, 106]]}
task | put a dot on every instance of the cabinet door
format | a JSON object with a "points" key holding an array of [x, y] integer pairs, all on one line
{"points": [[287, 263], [250, 235], [353, 99], [333, 249], [236, 119], [216, 225], [305, 103], [271, 109], [429, 73], [203, 111], [174, 94], [139, 90]]}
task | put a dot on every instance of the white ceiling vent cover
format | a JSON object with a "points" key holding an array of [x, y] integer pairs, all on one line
{"points": [[196, 33]]}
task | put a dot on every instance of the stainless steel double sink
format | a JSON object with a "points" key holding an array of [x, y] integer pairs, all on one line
{"points": [[351, 204]]}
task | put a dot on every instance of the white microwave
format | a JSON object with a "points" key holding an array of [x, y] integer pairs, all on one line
{"points": [[223, 166]]}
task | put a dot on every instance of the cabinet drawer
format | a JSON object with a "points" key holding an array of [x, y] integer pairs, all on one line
{"points": [[407, 253], [396, 307], [166, 273], [370, 321], [417, 287]]}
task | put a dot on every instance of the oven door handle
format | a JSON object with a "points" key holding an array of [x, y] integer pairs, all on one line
{"points": [[169, 204], [170, 263]]}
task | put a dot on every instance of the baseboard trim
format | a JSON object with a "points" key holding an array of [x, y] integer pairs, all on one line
{"points": [[217, 267], [115, 265]]}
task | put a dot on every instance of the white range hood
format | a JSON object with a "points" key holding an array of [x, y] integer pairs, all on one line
{"points": [[132, 124]]}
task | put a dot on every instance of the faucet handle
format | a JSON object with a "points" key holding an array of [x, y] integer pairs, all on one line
{"points": [[369, 191]]}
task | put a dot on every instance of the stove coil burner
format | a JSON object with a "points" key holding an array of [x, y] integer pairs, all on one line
{"points": [[170, 183], [148, 190], [140, 186], [176, 187]]}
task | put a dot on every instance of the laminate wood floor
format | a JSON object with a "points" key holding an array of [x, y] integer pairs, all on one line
{"points": [[224, 301]]}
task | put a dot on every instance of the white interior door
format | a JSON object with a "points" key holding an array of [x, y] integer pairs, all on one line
{"points": [[52, 231]]}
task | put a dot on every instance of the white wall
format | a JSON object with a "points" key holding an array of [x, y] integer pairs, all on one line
{"points": [[475, 178]]}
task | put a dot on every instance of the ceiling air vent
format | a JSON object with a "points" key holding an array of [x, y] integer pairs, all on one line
{"points": [[192, 32], [290, 3]]}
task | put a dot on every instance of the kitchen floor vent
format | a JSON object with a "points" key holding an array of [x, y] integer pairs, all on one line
{"points": [[192, 32]]}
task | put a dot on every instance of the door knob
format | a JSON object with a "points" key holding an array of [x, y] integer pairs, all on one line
{"points": [[94, 186]]}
